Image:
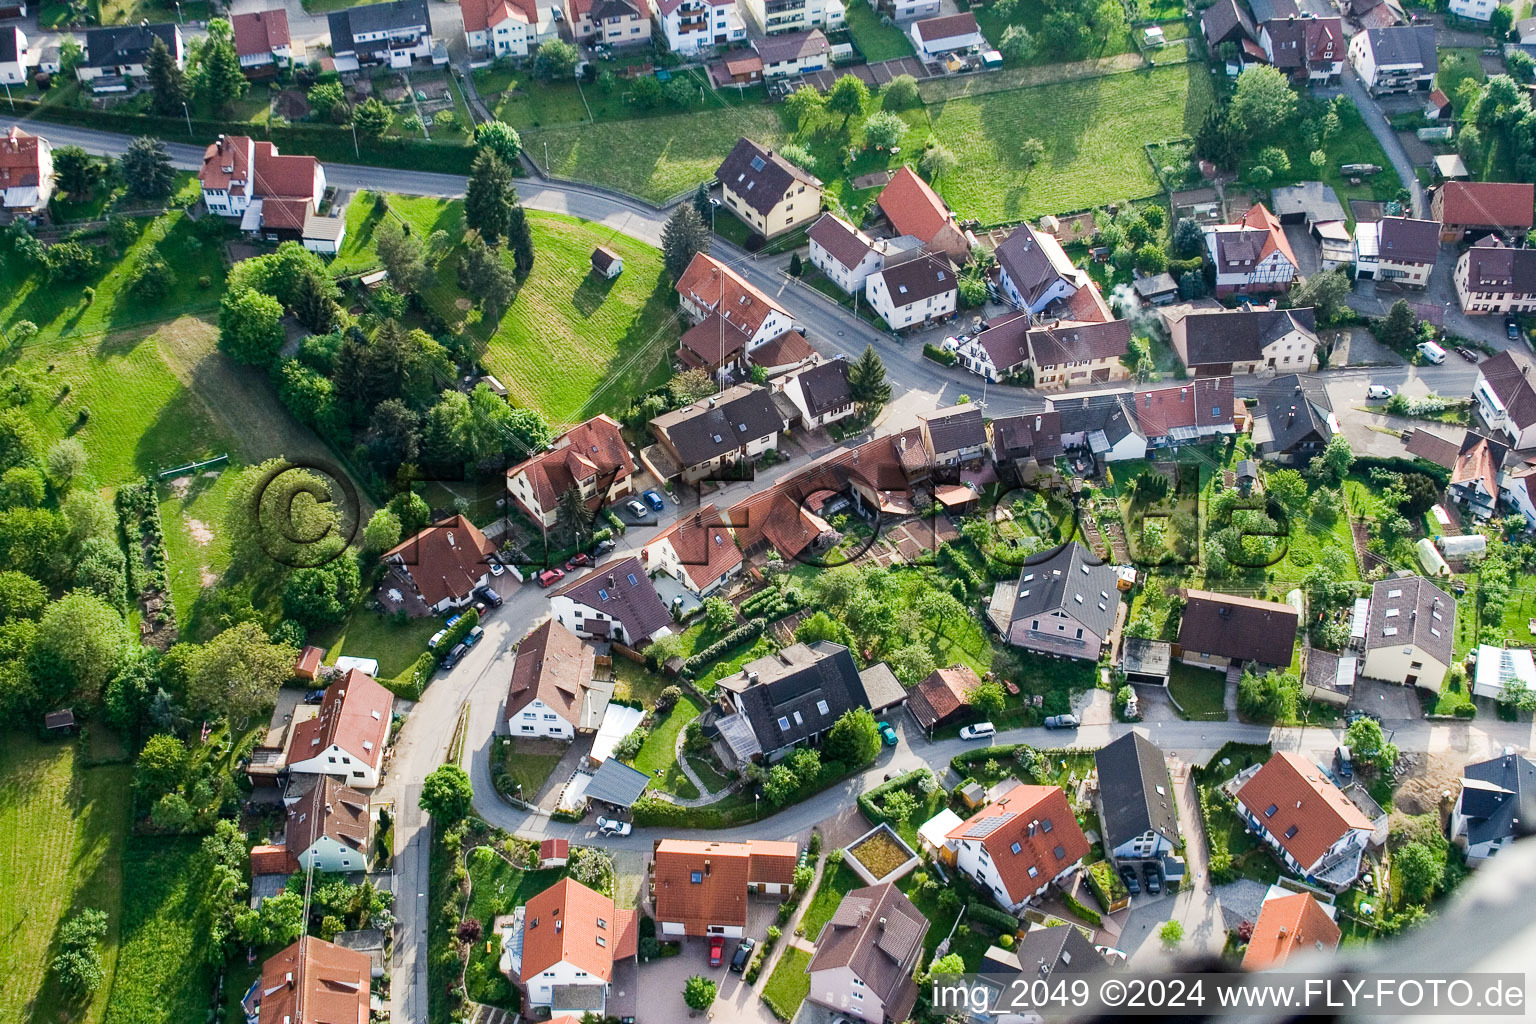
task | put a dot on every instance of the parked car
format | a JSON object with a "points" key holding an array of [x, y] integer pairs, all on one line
{"points": [[549, 577], [605, 546], [316, 696], [494, 564], [437, 638], [489, 596], [1154, 879], [473, 636], [979, 731], [453, 656], [1062, 722], [479, 607], [1512, 328], [1132, 883], [614, 827], [743, 954], [888, 734], [580, 558], [716, 950], [1354, 715], [1378, 392], [655, 500], [636, 509], [1343, 763], [1467, 354]]}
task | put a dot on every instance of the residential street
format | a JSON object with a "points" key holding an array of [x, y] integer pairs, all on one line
{"points": [[1377, 122]]}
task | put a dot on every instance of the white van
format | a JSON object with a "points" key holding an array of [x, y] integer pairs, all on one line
{"points": [[1432, 352], [979, 731]]}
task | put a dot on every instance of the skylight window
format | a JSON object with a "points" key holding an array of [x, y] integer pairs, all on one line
{"points": [[1389, 631], [757, 163], [821, 706], [696, 877], [1015, 847], [1034, 872], [602, 595], [1269, 812], [784, 724], [1392, 612], [1290, 833], [1394, 593], [632, 580]]}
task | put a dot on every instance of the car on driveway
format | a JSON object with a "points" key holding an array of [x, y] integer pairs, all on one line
{"points": [[1512, 328], [1132, 883], [1154, 879], [1062, 722], [716, 950], [495, 566], [743, 954], [655, 500], [489, 596], [636, 509], [888, 734], [1354, 715], [549, 577], [579, 559], [1378, 392], [1467, 354], [614, 827]]}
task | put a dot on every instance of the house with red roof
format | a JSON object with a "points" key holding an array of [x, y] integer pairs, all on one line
{"points": [[26, 171], [1293, 924], [591, 457], [1187, 413], [942, 695], [690, 25], [262, 41], [507, 28], [1019, 844], [699, 887], [613, 23], [312, 982], [1251, 256], [551, 693], [444, 563], [730, 317], [273, 195], [567, 950], [347, 737], [914, 208], [698, 551], [1483, 207], [1314, 828]]}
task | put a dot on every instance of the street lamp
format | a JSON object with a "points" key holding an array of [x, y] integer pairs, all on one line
{"points": [[187, 113], [546, 158], [714, 204], [178, 12]]}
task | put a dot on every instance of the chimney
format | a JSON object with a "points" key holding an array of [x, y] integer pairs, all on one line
{"points": [[706, 867], [882, 924], [612, 580], [1283, 932], [450, 539], [329, 810], [289, 979]]}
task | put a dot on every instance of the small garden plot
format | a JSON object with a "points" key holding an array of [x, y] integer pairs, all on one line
{"points": [[874, 39], [658, 755], [880, 855], [789, 984], [837, 880], [1201, 692], [527, 764], [163, 975], [1160, 505]]}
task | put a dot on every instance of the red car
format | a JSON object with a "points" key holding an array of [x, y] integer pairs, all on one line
{"points": [[551, 576], [716, 950]]}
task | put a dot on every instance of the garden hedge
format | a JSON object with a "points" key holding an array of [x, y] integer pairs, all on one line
{"points": [[1086, 913], [1106, 885], [869, 799], [772, 604], [977, 911], [939, 355]]}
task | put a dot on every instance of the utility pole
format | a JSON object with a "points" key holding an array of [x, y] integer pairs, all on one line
{"points": [[184, 110], [355, 149]]}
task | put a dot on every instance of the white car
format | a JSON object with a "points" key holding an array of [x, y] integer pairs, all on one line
{"points": [[979, 731], [1378, 392], [614, 827], [437, 638], [495, 566]]}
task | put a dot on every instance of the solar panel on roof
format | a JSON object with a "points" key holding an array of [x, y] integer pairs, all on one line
{"points": [[985, 826]]}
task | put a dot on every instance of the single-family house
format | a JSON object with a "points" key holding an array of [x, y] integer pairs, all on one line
{"points": [[1476, 208], [261, 40], [1397, 59], [1102, 423], [507, 28], [1136, 800], [1001, 350], [943, 695], [792, 53], [690, 25], [26, 171], [1187, 413], [1474, 10], [1293, 419], [774, 17], [273, 195], [328, 829], [715, 433], [347, 736], [1034, 271], [820, 393], [1404, 251], [699, 888], [1226, 21], [1251, 256], [954, 435], [934, 37], [1018, 845], [697, 551], [915, 210], [1506, 398], [784, 700], [867, 954], [1492, 277], [730, 317], [913, 289], [846, 255], [611, 23], [904, 11], [1496, 806], [1474, 481], [766, 192], [1290, 924], [445, 562], [312, 982], [607, 262], [1064, 605], [396, 33], [1219, 631], [1310, 50], [1315, 828], [616, 602], [567, 947], [1411, 632], [13, 56], [591, 458], [552, 693], [1217, 343], [118, 52], [1053, 951], [1073, 352], [787, 517]]}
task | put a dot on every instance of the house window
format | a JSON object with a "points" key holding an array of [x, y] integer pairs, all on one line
{"points": [[527, 728], [1015, 847], [696, 877], [601, 941], [821, 706], [1290, 833], [332, 760]]}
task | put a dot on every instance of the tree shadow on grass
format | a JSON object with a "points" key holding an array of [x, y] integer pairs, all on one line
{"points": [[592, 293], [651, 334]]}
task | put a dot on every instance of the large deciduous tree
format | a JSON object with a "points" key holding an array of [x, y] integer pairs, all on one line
{"points": [[80, 641], [236, 675], [447, 794], [847, 96], [251, 327], [1263, 101]]}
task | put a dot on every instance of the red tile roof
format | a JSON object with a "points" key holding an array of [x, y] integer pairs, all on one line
{"points": [[569, 923], [1039, 822], [1306, 804], [315, 982], [271, 860], [354, 716], [712, 285], [789, 347], [723, 872], [1203, 402], [1286, 926], [944, 692], [307, 666], [446, 560], [553, 666], [704, 546], [237, 163], [1487, 203], [595, 448], [910, 204], [482, 14], [20, 159], [260, 32], [554, 849]]}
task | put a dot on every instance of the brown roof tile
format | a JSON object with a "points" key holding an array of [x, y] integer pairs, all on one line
{"points": [[1240, 628], [594, 449], [1036, 819], [700, 883], [878, 934], [1306, 804], [913, 207], [260, 32], [329, 810], [944, 692], [445, 560], [553, 666], [570, 923], [354, 715], [1498, 204], [1289, 925], [315, 982]]}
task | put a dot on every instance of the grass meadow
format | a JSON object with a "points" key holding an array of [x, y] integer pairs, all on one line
{"points": [[162, 976]]}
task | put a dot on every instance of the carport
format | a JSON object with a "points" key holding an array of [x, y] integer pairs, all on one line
{"points": [[617, 784]]}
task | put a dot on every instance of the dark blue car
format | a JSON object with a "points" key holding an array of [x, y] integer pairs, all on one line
{"points": [[656, 501]]}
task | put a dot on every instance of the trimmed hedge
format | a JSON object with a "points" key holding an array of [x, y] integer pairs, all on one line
{"points": [[1086, 913], [939, 355], [1108, 888], [467, 621], [991, 917], [772, 605], [411, 686], [869, 799], [1365, 463], [749, 630], [652, 812]]}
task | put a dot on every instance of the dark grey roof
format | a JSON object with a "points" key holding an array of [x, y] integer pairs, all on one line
{"points": [[760, 176], [1114, 414], [791, 46], [825, 386], [1072, 581], [1236, 627], [917, 274], [1498, 798], [1273, 10], [1294, 410], [957, 428], [1135, 791], [1034, 435], [1501, 269], [617, 783], [1061, 948], [1409, 240], [876, 933], [1074, 342], [881, 686], [1313, 200], [1508, 377], [8, 48], [1149, 286], [125, 44], [1238, 335], [1404, 44], [401, 14], [1027, 264], [783, 703], [724, 423], [608, 589], [1226, 21], [1416, 612]]}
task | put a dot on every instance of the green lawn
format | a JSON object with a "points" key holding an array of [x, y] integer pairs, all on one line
{"points": [[496, 887], [789, 984], [62, 829], [659, 752], [530, 762], [1456, 66], [130, 12], [162, 973], [525, 103], [634, 682], [705, 769], [1201, 692], [1093, 141], [1030, 15], [367, 634], [875, 41], [836, 882], [1354, 144]]}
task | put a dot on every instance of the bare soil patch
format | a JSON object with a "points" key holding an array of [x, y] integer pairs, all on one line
{"points": [[200, 532], [180, 486]]}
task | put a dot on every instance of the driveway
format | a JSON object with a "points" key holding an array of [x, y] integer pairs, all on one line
{"points": [[735, 1002], [1377, 122]]}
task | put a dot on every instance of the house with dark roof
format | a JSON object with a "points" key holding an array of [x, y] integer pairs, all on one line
{"points": [[261, 40], [395, 33], [347, 734], [913, 289], [699, 888], [590, 458], [444, 563], [1187, 413], [1059, 950], [730, 317], [1410, 634], [713, 434], [1376, 13], [116, 52], [943, 695], [1226, 22], [1313, 826], [312, 982], [785, 699], [1251, 256], [1308, 49], [1492, 277], [1293, 419], [955, 434], [867, 954], [1136, 800], [1505, 395], [554, 690], [1290, 925], [568, 949], [792, 53], [1015, 441], [26, 171], [1072, 352], [696, 550], [914, 209], [820, 393], [1064, 605], [1496, 806], [1477, 208], [766, 192], [1397, 59], [1034, 271], [1474, 482], [1018, 845], [844, 253], [1220, 342], [612, 23], [1405, 252], [1222, 631], [615, 601], [1102, 423], [607, 262]]}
